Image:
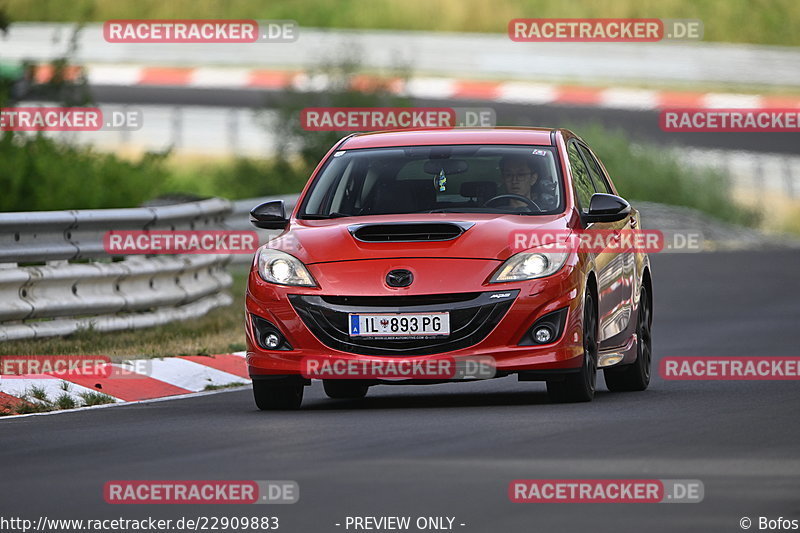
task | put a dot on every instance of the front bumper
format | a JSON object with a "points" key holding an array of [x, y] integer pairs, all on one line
{"points": [[313, 322]]}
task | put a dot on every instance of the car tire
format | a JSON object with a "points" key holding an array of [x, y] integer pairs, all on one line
{"points": [[580, 386], [345, 389], [278, 394], [636, 376]]}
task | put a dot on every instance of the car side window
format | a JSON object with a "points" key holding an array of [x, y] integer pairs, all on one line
{"points": [[581, 180], [600, 183]]}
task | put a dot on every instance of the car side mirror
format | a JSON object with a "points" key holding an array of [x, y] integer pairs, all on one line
{"points": [[606, 208], [269, 215]]}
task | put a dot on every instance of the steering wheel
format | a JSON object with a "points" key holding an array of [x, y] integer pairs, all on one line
{"points": [[530, 203]]}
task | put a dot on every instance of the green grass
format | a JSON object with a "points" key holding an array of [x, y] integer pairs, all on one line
{"points": [[65, 401], [740, 21], [95, 398], [27, 408], [39, 173], [38, 393]]}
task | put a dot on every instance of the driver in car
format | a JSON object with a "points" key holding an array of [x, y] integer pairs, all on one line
{"points": [[520, 176]]}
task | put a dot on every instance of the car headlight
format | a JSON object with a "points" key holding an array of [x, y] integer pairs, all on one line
{"points": [[281, 268], [530, 265]]}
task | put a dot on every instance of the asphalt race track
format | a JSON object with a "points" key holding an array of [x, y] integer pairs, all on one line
{"points": [[451, 450]]}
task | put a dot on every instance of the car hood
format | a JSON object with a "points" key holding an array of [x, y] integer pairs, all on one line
{"points": [[488, 236]]}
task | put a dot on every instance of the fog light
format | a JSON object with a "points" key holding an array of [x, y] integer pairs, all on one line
{"points": [[267, 336], [543, 334], [272, 341], [547, 329]]}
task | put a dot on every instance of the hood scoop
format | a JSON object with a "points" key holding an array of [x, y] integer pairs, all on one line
{"points": [[408, 231]]}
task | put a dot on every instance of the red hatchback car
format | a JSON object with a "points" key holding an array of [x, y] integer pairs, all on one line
{"points": [[400, 249]]}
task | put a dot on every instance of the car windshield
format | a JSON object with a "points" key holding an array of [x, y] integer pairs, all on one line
{"points": [[520, 180]]}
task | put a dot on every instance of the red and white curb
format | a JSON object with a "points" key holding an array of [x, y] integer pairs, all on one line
{"points": [[165, 377], [434, 88]]}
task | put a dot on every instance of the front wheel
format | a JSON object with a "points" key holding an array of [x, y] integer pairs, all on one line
{"points": [[278, 394], [580, 386], [636, 376]]}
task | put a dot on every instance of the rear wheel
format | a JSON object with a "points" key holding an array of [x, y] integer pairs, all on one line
{"points": [[278, 394], [580, 386], [341, 389], [636, 376]]}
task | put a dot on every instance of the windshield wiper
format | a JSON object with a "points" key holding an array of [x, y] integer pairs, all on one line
{"points": [[447, 210]]}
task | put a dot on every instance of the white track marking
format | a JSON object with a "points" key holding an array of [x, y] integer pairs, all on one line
{"points": [[187, 374]]}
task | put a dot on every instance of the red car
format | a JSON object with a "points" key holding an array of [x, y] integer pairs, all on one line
{"points": [[400, 250]]}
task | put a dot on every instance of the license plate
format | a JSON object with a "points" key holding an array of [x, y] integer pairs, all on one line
{"points": [[399, 324]]}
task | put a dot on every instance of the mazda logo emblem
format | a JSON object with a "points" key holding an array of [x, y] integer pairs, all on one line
{"points": [[399, 278]]}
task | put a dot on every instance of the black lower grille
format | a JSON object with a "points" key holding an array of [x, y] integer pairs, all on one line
{"points": [[472, 317]]}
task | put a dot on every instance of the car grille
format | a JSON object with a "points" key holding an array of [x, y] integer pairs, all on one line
{"points": [[472, 317]]}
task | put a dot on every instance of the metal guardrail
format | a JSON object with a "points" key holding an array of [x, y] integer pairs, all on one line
{"points": [[56, 277]]}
